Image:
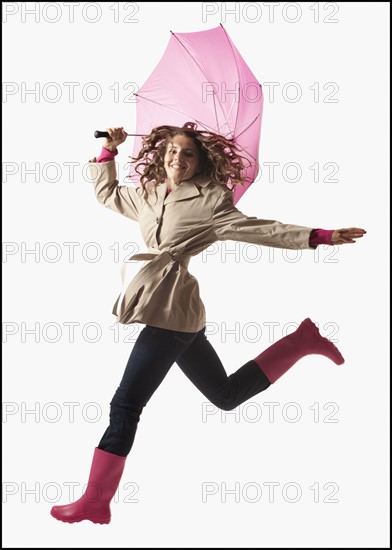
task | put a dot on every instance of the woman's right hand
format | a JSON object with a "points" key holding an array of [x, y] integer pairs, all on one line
{"points": [[117, 136], [347, 235]]}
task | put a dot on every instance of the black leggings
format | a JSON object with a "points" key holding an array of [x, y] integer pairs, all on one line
{"points": [[153, 354]]}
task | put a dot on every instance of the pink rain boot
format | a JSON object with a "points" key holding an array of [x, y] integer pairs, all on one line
{"points": [[306, 340], [105, 474]]}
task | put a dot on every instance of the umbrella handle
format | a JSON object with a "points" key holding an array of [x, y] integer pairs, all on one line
{"points": [[99, 134]]}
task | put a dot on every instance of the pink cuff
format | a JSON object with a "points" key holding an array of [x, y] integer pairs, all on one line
{"points": [[320, 236], [106, 155]]}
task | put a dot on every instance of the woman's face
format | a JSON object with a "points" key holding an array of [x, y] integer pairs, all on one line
{"points": [[181, 158]]}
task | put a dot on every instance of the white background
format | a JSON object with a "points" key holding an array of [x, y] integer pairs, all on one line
{"points": [[177, 451]]}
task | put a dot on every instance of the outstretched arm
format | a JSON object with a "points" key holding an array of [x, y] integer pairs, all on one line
{"points": [[231, 224]]}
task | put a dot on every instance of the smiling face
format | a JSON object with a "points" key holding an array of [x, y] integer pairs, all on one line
{"points": [[181, 158]]}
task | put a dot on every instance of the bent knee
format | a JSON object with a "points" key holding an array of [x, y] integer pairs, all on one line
{"points": [[225, 405]]}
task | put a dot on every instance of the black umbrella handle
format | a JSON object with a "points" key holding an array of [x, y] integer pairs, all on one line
{"points": [[99, 134]]}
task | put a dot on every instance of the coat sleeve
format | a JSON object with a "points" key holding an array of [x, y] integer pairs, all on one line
{"points": [[120, 198], [231, 224]]}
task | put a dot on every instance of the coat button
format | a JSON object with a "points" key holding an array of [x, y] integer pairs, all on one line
{"points": [[157, 220]]}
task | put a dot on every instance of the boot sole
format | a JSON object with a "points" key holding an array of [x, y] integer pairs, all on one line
{"points": [[102, 521]]}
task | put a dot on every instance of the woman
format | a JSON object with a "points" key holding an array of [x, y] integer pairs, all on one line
{"points": [[183, 205]]}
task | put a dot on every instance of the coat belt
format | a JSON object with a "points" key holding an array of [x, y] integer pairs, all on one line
{"points": [[157, 261]]}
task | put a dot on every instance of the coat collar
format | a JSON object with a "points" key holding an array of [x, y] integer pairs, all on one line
{"points": [[187, 189]]}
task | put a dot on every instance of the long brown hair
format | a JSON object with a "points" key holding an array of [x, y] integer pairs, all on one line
{"points": [[219, 158]]}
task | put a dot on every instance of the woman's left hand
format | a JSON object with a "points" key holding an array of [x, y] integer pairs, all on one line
{"points": [[344, 236]]}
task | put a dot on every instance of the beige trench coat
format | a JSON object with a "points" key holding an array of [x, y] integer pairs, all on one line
{"points": [[176, 227]]}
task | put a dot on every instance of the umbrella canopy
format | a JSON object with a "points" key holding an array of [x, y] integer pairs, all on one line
{"points": [[202, 78]]}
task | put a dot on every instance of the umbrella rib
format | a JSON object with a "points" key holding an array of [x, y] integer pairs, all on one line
{"points": [[240, 134], [238, 73], [205, 76], [250, 124], [206, 126]]}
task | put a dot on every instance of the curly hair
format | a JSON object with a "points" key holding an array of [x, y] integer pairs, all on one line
{"points": [[219, 157]]}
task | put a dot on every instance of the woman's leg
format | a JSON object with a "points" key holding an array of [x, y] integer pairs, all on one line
{"points": [[201, 364], [153, 354], [203, 367]]}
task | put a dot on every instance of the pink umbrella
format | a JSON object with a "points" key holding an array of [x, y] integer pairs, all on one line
{"points": [[202, 78]]}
